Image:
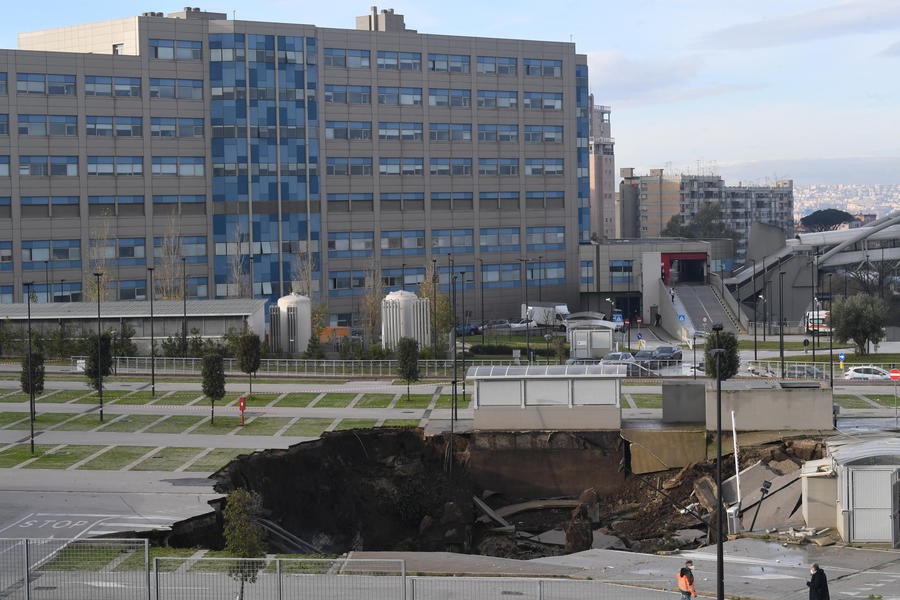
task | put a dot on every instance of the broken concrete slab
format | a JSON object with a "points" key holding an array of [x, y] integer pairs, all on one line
{"points": [[489, 513], [778, 483], [783, 467], [512, 509], [604, 541], [688, 536], [659, 450], [554, 537], [751, 480], [779, 509], [705, 491]]}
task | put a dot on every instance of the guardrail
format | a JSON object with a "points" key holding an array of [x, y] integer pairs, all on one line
{"points": [[812, 370]]}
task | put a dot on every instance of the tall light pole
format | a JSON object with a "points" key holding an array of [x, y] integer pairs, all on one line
{"points": [[481, 275], [31, 411], [812, 293], [184, 303], [755, 302], [764, 295], [720, 553], [98, 275], [453, 399], [781, 320], [540, 278], [152, 339], [403, 276], [830, 337], [462, 296], [47, 281], [524, 262], [434, 284]]}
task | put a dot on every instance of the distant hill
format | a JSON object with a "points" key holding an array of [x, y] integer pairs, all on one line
{"points": [[873, 171]]}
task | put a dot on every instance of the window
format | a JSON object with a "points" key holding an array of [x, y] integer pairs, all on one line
{"points": [[115, 165], [410, 61], [505, 201], [31, 83], [132, 289], [498, 166], [48, 165], [4, 165], [338, 203], [406, 277], [544, 133], [32, 124], [546, 238], [620, 271], [500, 276], [494, 239], [6, 256], [453, 63], [546, 273], [403, 243], [61, 253], [348, 130], [190, 128], [451, 201], [452, 240], [61, 85], [496, 65], [176, 127], [344, 244], [542, 68], [129, 126], [344, 94], [3, 84], [338, 57], [348, 166], [541, 200], [587, 271], [346, 283], [99, 126], [388, 60], [497, 99], [4, 124], [445, 97], [56, 124], [164, 49], [130, 252], [178, 165], [413, 201], [127, 87], [95, 85], [188, 89], [188, 50], [542, 100], [543, 166], [34, 207], [400, 166], [498, 133]]}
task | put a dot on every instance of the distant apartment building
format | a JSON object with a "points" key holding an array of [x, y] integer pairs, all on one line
{"points": [[253, 149], [603, 174], [648, 203]]}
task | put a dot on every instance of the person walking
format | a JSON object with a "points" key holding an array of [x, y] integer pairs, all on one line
{"points": [[686, 581], [818, 583]]}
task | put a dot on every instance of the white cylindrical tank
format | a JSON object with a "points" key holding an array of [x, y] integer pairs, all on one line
{"points": [[294, 323], [404, 314]]}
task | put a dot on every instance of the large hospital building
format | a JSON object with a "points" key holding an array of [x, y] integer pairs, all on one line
{"points": [[257, 153]]}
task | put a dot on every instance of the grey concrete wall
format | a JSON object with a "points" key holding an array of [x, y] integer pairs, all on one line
{"points": [[772, 409], [819, 500], [542, 418], [684, 402]]}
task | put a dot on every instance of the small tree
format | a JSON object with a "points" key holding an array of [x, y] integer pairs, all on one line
{"points": [[244, 536], [408, 361], [860, 318], [213, 371], [121, 342], [33, 363], [826, 220], [730, 361], [248, 354], [97, 367]]}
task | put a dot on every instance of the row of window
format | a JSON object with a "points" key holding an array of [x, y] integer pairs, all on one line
{"points": [[403, 96], [103, 126], [122, 289], [456, 201], [43, 166], [97, 85], [176, 49], [450, 63], [442, 166], [442, 132], [115, 251]]}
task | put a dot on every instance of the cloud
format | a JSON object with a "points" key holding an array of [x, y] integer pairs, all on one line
{"points": [[627, 82], [892, 50], [846, 17]]}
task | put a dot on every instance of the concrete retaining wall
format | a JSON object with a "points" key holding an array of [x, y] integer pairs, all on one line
{"points": [[772, 409]]}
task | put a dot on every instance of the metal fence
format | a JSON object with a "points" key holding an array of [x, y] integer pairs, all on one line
{"points": [[60, 569], [287, 366], [814, 370]]}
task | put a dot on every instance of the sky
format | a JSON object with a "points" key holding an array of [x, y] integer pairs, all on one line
{"points": [[754, 89]]}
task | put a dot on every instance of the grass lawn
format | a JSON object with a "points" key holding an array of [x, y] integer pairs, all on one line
{"points": [[109, 396], [355, 424], [167, 459], [63, 396], [216, 459], [850, 401], [21, 452], [135, 562], [374, 401], [446, 401], [137, 398], [883, 399], [175, 424], [225, 401], [414, 401], [130, 423], [116, 458], [850, 359], [261, 399], [308, 427], [297, 399], [14, 397], [64, 457], [264, 426], [178, 398], [81, 423], [45, 420], [773, 344], [335, 401], [82, 556], [400, 423], [647, 400], [221, 566], [11, 417], [222, 426]]}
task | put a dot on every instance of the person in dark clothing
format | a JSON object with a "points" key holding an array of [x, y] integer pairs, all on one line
{"points": [[686, 581], [818, 584]]}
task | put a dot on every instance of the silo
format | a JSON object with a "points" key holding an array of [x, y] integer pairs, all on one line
{"points": [[404, 314], [294, 323]]}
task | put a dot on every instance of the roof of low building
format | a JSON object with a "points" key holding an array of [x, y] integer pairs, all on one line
{"points": [[845, 451], [133, 309]]}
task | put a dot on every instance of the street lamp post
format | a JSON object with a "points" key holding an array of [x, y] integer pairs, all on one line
{"points": [[434, 284], [462, 296], [755, 301], [152, 339], [720, 554], [812, 292], [453, 311], [184, 305], [47, 281], [830, 337], [524, 262], [28, 365], [481, 275], [98, 275], [540, 278], [781, 320]]}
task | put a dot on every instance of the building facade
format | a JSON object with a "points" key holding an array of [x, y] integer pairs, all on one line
{"points": [[648, 202], [270, 156], [603, 175]]}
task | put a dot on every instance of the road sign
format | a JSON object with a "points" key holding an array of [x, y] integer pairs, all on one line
{"points": [[705, 320], [627, 322], [895, 374], [640, 320], [682, 318], [617, 318], [640, 336], [242, 404], [841, 357]]}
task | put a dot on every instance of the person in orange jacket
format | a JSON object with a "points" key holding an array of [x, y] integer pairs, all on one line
{"points": [[686, 581]]}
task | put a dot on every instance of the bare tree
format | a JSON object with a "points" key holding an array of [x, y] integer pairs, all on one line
{"points": [[101, 241], [239, 285], [440, 309], [167, 279], [302, 273], [371, 302]]}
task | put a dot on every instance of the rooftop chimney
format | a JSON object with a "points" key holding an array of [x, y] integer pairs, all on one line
{"points": [[387, 20]]}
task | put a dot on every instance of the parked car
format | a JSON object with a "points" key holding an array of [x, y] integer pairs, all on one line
{"points": [[868, 372], [804, 372], [667, 353], [523, 324], [646, 358], [617, 358], [583, 361], [496, 324], [464, 329]]}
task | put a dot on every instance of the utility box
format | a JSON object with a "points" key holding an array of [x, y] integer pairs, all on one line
{"points": [[591, 343]]}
